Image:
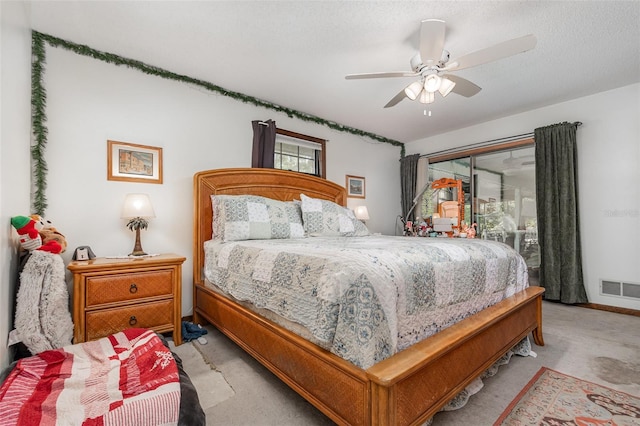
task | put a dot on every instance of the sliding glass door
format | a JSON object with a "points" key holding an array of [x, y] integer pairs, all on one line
{"points": [[499, 196], [460, 168]]}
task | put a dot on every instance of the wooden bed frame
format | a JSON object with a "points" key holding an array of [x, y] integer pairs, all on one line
{"points": [[407, 388]]}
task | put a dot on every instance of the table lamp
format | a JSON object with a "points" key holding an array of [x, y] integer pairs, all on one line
{"points": [[362, 213], [137, 208]]}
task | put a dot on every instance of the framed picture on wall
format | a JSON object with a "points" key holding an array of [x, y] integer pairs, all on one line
{"points": [[355, 187], [134, 163]]}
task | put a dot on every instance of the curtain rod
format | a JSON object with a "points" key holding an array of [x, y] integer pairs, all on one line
{"points": [[486, 143]]}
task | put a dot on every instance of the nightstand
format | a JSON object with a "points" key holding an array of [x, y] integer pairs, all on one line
{"points": [[110, 295]]}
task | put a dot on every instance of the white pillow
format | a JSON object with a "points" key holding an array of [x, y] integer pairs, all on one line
{"points": [[251, 217], [326, 218]]}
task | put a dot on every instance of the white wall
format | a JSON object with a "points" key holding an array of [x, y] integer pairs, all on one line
{"points": [[608, 177], [90, 102], [15, 124]]}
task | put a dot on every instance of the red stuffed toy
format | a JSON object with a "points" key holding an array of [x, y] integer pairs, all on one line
{"points": [[33, 239], [29, 236]]}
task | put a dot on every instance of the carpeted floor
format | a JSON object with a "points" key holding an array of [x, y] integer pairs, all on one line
{"points": [[553, 398], [597, 346], [210, 383]]}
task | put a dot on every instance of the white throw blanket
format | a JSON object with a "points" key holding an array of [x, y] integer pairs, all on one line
{"points": [[43, 320]]}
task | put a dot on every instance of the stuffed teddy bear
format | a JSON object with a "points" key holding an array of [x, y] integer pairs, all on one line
{"points": [[42, 223], [53, 241], [50, 235]]}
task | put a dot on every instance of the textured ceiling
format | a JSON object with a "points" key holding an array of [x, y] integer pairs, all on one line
{"points": [[296, 53]]}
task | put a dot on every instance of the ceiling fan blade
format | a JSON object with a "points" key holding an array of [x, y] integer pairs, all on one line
{"points": [[381, 75], [463, 86], [396, 99], [431, 40], [494, 53]]}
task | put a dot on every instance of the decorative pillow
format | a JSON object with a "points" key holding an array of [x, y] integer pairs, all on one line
{"points": [[323, 217], [251, 217]]}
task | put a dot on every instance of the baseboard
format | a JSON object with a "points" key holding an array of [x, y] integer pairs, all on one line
{"points": [[616, 309]]}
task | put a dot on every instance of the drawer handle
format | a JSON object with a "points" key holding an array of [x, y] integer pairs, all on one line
{"points": [[133, 288], [133, 320]]}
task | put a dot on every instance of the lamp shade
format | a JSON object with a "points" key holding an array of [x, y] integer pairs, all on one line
{"points": [[362, 213], [427, 97], [446, 86], [137, 205], [413, 90]]}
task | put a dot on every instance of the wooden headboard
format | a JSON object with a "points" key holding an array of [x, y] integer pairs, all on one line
{"points": [[272, 183]]}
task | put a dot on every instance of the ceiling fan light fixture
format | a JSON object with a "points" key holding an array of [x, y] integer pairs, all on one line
{"points": [[432, 83], [427, 97], [431, 63], [413, 90], [446, 86]]}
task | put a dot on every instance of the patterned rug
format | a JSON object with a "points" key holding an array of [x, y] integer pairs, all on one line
{"points": [[555, 399]]}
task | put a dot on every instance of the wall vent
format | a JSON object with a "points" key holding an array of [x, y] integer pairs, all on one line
{"points": [[631, 290], [619, 288]]}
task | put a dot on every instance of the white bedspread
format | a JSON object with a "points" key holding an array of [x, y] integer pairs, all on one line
{"points": [[366, 298]]}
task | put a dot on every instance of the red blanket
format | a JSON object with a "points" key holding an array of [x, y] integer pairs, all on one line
{"points": [[129, 378]]}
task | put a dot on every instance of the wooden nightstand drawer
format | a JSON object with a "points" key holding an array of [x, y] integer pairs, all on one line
{"points": [[128, 286], [155, 315], [112, 294]]}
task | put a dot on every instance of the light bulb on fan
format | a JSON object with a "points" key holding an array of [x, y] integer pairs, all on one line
{"points": [[432, 83]]}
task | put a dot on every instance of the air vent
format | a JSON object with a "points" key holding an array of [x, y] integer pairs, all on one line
{"points": [[631, 290], [610, 287], [619, 288]]}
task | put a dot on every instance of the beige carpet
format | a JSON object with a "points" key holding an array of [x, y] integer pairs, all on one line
{"points": [[210, 383], [598, 346]]}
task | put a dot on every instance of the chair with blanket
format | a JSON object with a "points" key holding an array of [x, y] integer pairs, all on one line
{"points": [[42, 317]]}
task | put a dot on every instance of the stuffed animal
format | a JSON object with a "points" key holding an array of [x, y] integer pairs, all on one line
{"points": [[52, 241], [42, 223], [37, 233], [30, 238]]}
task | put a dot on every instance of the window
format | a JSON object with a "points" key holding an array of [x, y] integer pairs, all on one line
{"points": [[300, 153]]}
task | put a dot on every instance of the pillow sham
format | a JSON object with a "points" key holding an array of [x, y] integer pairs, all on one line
{"points": [[326, 218], [251, 217]]}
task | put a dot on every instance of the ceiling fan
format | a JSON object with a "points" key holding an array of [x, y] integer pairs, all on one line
{"points": [[525, 160], [517, 165], [431, 64]]}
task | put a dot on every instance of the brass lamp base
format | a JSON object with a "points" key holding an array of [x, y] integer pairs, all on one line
{"points": [[137, 248]]}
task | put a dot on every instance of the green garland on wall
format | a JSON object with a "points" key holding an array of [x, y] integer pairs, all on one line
{"points": [[38, 118], [38, 102]]}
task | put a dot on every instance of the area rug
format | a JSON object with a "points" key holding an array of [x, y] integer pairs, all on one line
{"points": [[210, 383], [555, 399]]}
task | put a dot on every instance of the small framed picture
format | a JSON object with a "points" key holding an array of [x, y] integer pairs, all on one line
{"points": [[134, 163], [355, 187]]}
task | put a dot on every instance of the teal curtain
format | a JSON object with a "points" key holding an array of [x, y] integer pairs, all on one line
{"points": [[408, 178], [557, 209]]}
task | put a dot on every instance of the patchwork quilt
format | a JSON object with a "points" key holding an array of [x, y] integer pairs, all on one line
{"points": [[129, 378], [366, 298]]}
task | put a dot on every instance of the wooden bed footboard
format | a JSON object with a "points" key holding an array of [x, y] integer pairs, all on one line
{"points": [[405, 389]]}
